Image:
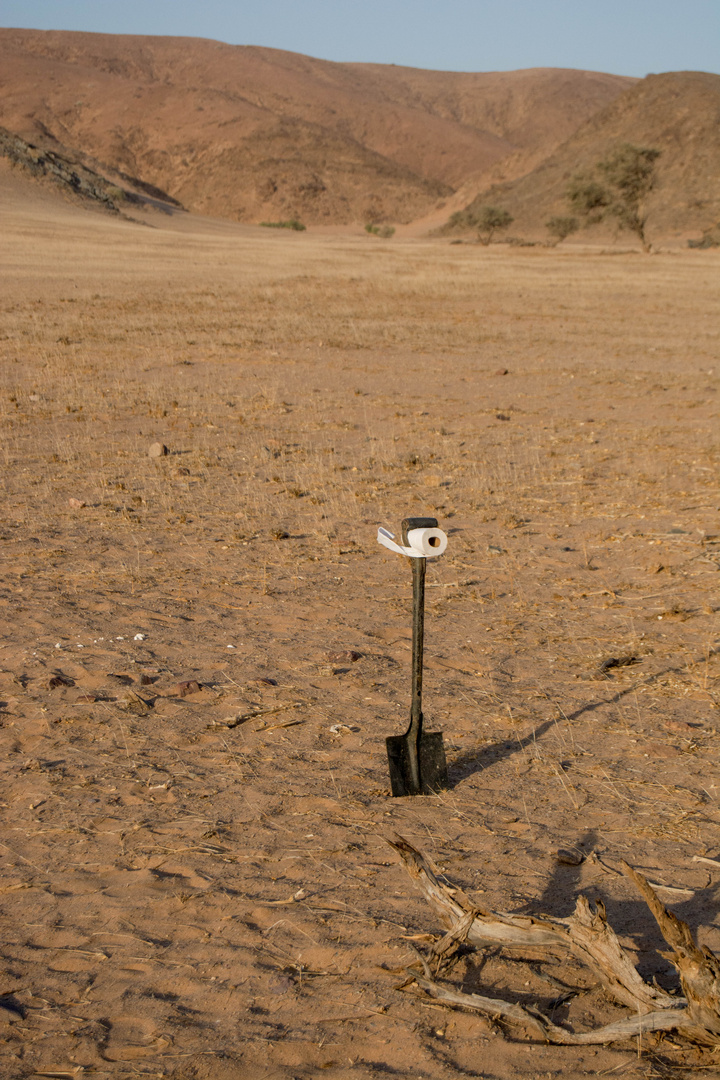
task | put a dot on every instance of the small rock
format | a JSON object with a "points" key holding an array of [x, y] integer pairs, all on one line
{"points": [[652, 748], [262, 682], [184, 689], [569, 858], [133, 703], [147, 680], [501, 416], [617, 662], [86, 699], [76, 504], [344, 655], [678, 725], [139, 637], [280, 534], [59, 680], [158, 449], [501, 371]]}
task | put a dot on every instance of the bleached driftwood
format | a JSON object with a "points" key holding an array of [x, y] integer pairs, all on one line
{"points": [[588, 936]]}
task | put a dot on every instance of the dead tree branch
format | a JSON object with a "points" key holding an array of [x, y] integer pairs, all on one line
{"points": [[588, 936]]}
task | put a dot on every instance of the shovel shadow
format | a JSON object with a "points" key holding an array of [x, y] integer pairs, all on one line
{"points": [[475, 761]]}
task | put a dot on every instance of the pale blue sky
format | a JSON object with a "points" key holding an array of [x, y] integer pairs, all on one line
{"points": [[625, 37]]}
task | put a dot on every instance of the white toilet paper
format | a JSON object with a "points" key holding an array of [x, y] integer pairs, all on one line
{"points": [[422, 543], [428, 542]]}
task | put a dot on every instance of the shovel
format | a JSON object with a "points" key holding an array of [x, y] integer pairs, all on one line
{"points": [[417, 758]]}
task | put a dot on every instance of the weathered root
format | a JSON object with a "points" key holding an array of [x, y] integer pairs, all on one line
{"points": [[588, 936], [537, 1022]]}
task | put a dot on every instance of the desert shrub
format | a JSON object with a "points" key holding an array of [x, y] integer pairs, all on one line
{"points": [[709, 239], [561, 227], [617, 188], [291, 223], [117, 194], [385, 231]]}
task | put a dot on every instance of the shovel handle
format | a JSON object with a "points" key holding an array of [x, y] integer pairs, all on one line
{"points": [[416, 717], [418, 630], [418, 570]]}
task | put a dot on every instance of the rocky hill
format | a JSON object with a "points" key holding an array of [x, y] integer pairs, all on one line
{"points": [[250, 133], [677, 113]]}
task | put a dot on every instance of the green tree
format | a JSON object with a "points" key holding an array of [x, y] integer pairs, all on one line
{"points": [[562, 227], [617, 188], [488, 220]]}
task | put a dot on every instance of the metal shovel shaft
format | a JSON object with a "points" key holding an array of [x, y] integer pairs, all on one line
{"points": [[417, 759], [418, 630]]}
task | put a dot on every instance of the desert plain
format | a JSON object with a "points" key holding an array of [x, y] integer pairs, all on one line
{"points": [[203, 652]]}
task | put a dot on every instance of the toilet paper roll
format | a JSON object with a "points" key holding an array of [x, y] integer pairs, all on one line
{"points": [[427, 542], [423, 543]]}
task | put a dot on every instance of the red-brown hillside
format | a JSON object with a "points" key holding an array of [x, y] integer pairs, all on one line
{"points": [[251, 133], [677, 113]]}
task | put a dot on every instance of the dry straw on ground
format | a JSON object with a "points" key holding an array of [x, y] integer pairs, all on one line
{"points": [[191, 893]]}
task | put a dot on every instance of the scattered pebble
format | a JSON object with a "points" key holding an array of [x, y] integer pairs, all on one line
{"points": [[158, 449], [184, 689], [124, 679], [344, 654], [133, 703], [678, 725], [139, 637], [77, 504], [617, 662], [59, 680]]}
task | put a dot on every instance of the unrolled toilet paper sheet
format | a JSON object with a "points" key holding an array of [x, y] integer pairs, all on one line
{"points": [[422, 543]]}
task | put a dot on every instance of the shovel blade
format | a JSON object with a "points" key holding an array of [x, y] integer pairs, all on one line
{"points": [[431, 760]]}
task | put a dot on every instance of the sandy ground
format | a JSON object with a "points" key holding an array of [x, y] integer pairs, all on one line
{"points": [[185, 898]]}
